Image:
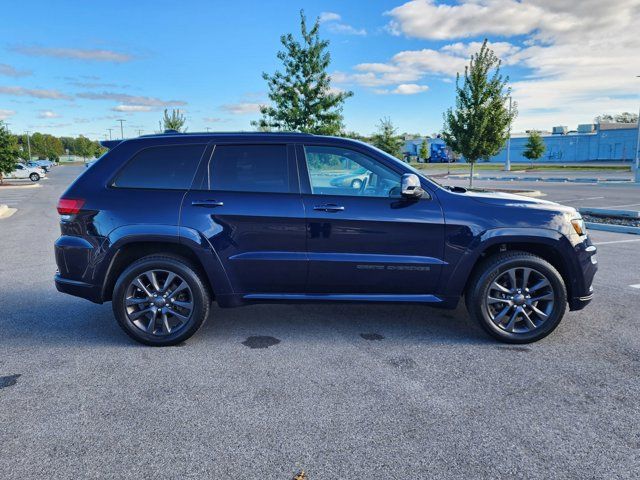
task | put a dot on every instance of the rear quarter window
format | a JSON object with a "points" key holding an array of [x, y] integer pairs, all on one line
{"points": [[164, 167]]}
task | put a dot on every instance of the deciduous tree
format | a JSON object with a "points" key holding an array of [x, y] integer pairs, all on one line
{"points": [[478, 126], [8, 151], [535, 147], [387, 139]]}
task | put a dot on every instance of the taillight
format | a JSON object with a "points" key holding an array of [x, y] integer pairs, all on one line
{"points": [[69, 206]]}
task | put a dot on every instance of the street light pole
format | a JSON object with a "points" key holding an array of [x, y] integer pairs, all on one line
{"points": [[507, 165], [637, 160], [28, 143], [121, 128]]}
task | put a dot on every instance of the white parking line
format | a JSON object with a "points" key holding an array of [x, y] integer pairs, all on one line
{"points": [[637, 285], [618, 241], [578, 199], [628, 205]]}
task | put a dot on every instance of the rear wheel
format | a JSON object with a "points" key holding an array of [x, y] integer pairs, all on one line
{"points": [[517, 297], [160, 300], [34, 177]]}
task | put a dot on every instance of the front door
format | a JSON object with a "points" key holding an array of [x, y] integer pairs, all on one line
{"points": [[362, 237], [246, 203]]}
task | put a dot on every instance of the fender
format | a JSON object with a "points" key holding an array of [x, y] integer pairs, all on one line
{"points": [[124, 235], [456, 278], [210, 260]]}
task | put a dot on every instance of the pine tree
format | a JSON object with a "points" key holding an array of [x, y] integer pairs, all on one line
{"points": [[478, 127], [301, 95], [175, 121], [8, 151], [535, 147], [387, 139]]}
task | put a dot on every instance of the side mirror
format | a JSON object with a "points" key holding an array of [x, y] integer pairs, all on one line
{"points": [[411, 187]]}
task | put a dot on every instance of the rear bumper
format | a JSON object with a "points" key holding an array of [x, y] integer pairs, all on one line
{"points": [[78, 289]]}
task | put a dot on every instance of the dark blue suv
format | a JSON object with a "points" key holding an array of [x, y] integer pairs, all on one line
{"points": [[163, 225]]}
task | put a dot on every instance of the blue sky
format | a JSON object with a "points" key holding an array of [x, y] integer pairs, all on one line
{"points": [[76, 67]]}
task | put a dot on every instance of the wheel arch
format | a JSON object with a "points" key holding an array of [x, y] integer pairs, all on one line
{"points": [[549, 245]]}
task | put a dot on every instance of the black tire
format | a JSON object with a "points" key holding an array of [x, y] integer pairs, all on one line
{"points": [[34, 177], [180, 266], [478, 296]]}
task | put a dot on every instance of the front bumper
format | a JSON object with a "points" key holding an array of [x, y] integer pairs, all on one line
{"points": [[582, 291]]}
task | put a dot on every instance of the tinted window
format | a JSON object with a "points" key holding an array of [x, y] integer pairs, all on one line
{"points": [[249, 168], [340, 171], [170, 167]]}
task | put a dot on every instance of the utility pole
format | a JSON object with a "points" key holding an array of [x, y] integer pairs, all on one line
{"points": [[121, 127], [28, 143], [140, 131], [507, 164], [110, 130]]}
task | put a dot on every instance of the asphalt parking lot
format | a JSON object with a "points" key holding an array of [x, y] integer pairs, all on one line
{"points": [[349, 391]]}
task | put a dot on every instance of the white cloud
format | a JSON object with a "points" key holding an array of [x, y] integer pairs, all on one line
{"points": [[132, 108], [48, 114], [34, 92], [329, 17], [9, 71], [580, 57], [4, 114], [241, 108], [215, 120], [334, 25], [403, 89], [135, 100], [345, 29], [74, 53]]}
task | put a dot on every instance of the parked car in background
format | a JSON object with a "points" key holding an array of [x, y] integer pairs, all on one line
{"points": [[22, 171], [33, 164], [356, 179], [45, 163], [162, 225]]}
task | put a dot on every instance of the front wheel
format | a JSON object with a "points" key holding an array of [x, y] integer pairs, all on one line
{"points": [[34, 177], [161, 300], [517, 297]]}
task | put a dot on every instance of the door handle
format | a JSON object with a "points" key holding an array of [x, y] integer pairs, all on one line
{"points": [[207, 203], [330, 207]]}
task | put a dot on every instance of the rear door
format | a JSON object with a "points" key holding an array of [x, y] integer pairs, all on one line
{"points": [[246, 203], [362, 237]]}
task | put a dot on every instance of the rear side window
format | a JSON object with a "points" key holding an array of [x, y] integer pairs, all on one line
{"points": [[249, 168], [167, 167]]}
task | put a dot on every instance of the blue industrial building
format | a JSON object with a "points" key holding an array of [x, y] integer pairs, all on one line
{"points": [[589, 143]]}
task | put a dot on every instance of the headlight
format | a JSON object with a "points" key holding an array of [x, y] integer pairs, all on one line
{"points": [[579, 226]]}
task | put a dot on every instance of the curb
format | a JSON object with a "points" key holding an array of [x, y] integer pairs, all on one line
{"points": [[6, 212], [613, 228], [546, 179], [605, 212], [26, 185]]}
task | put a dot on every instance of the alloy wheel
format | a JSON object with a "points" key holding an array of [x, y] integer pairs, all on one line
{"points": [[159, 302], [520, 300]]}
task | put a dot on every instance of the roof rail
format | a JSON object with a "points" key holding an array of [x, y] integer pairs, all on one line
{"points": [[245, 132]]}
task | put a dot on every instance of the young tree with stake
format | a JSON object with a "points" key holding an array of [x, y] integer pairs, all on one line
{"points": [[478, 127], [535, 147]]}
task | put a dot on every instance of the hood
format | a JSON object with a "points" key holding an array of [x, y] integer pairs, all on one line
{"points": [[511, 200]]}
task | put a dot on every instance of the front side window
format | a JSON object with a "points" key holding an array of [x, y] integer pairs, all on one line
{"points": [[249, 168], [340, 171], [165, 167]]}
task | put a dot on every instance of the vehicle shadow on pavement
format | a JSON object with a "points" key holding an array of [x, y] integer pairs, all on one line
{"points": [[53, 319], [319, 322]]}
